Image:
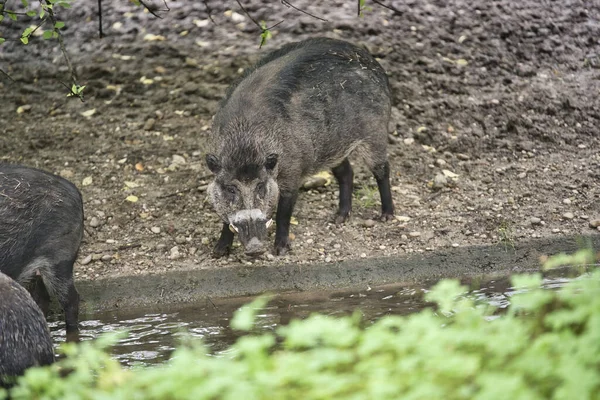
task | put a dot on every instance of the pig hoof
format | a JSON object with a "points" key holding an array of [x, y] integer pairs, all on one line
{"points": [[386, 217], [220, 251], [340, 218], [282, 249]]}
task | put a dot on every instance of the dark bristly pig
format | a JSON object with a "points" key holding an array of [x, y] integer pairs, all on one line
{"points": [[300, 109], [24, 337], [41, 227]]}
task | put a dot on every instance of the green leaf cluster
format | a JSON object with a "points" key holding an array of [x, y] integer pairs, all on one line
{"points": [[546, 346]]}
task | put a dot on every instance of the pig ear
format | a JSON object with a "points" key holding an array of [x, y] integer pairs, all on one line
{"points": [[213, 163], [271, 161]]}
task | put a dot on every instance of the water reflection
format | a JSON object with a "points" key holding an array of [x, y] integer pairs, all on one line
{"points": [[154, 335]]}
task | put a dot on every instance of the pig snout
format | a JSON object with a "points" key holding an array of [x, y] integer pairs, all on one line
{"points": [[254, 247], [251, 227]]}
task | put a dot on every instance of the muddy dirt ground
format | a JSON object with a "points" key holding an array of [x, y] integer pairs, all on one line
{"points": [[495, 135]]}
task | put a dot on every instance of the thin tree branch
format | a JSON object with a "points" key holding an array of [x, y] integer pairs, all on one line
{"points": [[100, 19], [288, 4], [394, 9], [61, 44], [6, 74], [249, 16], [208, 11], [152, 10]]}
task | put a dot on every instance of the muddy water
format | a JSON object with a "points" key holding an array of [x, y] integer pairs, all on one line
{"points": [[154, 333]]}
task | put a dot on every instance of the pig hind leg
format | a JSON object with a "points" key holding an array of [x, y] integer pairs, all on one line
{"points": [[376, 158], [345, 177], [40, 294], [59, 279], [224, 243]]}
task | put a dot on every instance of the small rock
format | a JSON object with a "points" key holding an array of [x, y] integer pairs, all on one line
{"points": [[327, 259], [270, 257], [567, 201], [314, 182], [94, 222], [161, 246], [155, 229], [309, 241], [595, 223], [454, 244], [369, 223], [568, 215], [462, 157], [174, 253], [522, 175], [177, 159], [337, 246], [106, 257], [363, 255], [67, 173], [180, 239], [205, 241], [535, 221], [86, 260], [409, 141], [149, 124], [555, 230], [440, 162], [402, 218], [440, 181], [414, 234]]}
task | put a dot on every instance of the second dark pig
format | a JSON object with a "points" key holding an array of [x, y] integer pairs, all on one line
{"points": [[41, 227], [302, 108], [24, 337]]}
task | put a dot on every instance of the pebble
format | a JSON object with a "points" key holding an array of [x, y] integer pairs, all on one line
{"points": [[555, 230], [535, 221], [439, 181], [174, 253], [522, 175], [309, 241], [568, 215], [180, 239], [567, 201], [414, 234], [314, 182], [205, 241], [440, 162], [369, 223], [454, 244], [161, 246], [149, 124], [409, 141], [86, 260], [106, 257], [270, 257], [337, 246], [462, 157], [363, 255], [177, 159], [94, 222], [155, 229], [67, 173], [595, 223], [328, 259]]}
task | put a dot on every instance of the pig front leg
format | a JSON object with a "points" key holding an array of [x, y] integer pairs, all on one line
{"points": [[224, 244], [285, 207]]}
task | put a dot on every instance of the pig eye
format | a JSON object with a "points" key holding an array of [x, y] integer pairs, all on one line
{"points": [[260, 188], [230, 189]]}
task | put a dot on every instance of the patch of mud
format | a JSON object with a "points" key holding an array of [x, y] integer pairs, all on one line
{"points": [[502, 95]]}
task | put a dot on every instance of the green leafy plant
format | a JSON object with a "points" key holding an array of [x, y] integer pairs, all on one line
{"points": [[545, 346]]}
